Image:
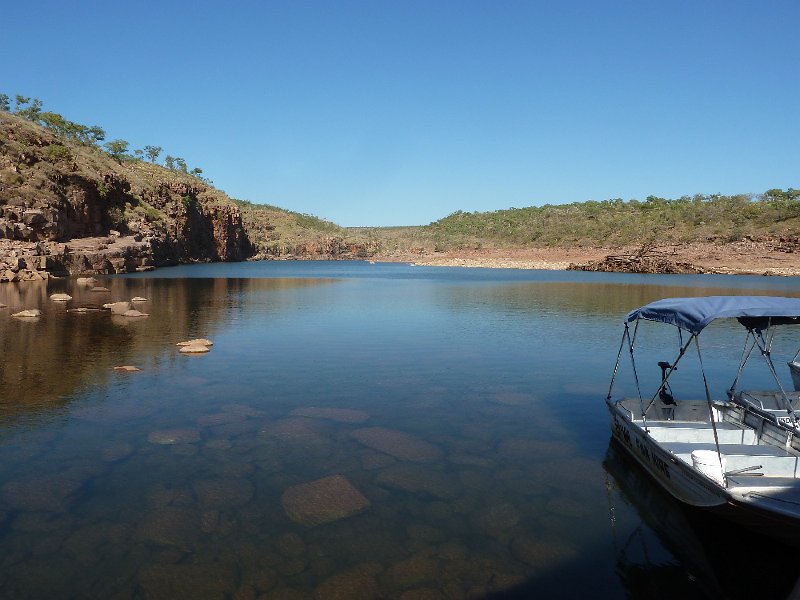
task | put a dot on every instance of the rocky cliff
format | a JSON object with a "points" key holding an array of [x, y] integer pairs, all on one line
{"points": [[71, 208]]}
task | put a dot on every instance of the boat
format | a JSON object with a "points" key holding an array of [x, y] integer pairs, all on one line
{"points": [[736, 452]]}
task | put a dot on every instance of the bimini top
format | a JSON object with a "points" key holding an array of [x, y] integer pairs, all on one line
{"points": [[693, 314]]}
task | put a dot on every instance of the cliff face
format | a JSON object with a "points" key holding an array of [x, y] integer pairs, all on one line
{"points": [[69, 208]]}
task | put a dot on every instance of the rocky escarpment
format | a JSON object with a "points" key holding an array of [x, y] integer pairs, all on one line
{"points": [[68, 208]]}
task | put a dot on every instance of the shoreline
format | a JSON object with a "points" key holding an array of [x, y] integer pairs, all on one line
{"points": [[737, 258]]}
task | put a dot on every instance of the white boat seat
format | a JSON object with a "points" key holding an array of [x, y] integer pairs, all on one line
{"points": [[700, 433], [774, 461]]}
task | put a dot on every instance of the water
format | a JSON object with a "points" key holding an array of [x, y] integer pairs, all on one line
{"points": [[451, 420]]}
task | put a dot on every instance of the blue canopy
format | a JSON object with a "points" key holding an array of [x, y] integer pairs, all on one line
{"points": [[693, 314]]}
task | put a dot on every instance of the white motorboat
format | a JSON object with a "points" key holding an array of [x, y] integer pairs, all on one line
{"points": [[738, 454]]}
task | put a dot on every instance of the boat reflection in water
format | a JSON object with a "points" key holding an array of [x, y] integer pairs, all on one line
{"points": [[677, 551]]}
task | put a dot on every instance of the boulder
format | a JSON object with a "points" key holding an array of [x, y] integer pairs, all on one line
{"points": [[398, 444], [194, 349], [30, 313], [196, 342], [118, 308], [60, 297], [323, 501]]}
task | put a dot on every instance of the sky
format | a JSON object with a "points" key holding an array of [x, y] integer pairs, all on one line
{"points": [[377, 113]]}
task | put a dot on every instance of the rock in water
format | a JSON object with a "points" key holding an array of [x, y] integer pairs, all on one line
{"points": [[134, 313], [398, 444], [138, 299], [323, 501], [194, 349], [60, 297], [196, 342], [127, 369], [30, 313], [342, 415], [99, 289], [87, 281], [118, 308]]}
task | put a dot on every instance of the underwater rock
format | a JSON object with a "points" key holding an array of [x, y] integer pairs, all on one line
{"points": [[356, 584], [171, 526], [544, 554], [412, 572], [223, 494], [187, 581], [291, 545], [116, 452], [342, 415], [323, 501], [397, 443], [174, 436], [44, 493], [418, 479]]}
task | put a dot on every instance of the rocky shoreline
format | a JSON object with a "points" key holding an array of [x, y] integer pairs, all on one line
{"points": [[746, 257]]}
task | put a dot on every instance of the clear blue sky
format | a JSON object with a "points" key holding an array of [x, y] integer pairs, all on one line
{"points": [[401, 112]]}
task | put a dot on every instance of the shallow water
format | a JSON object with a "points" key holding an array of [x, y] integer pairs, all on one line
{"points": [[450, 421]]}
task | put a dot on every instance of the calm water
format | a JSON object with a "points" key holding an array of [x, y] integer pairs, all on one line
{"points": [[356, 431]]}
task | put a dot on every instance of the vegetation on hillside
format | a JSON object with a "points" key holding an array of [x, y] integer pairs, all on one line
{"points": [[718, 218], [276, 232]]}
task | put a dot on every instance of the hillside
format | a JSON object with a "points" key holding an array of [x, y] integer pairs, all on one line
{"points": [[68, 206]]}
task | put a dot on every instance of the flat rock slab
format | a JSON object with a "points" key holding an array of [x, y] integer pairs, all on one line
{"points": [[342, 415], [398, 444], [138, 299], [30, 313], [194, 349], [134, 313], [196, 342], [127, 369], [99, 289], [60, 297], [323, 501]]}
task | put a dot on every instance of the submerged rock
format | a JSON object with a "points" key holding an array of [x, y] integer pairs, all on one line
{"points": [[342, 415], [187, 581], [174, 436], [419, 479], [171, 526], [323, 501], [356, 584], [223, 494], [398, 444]]}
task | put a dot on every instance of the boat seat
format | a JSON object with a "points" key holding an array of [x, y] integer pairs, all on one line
{"points": [[700, 433], [774, 461]]}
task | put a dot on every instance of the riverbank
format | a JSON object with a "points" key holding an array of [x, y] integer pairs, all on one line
{"points": [[738, 258]]}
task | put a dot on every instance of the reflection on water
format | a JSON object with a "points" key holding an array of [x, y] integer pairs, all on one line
{"points": [[356, 431]]}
